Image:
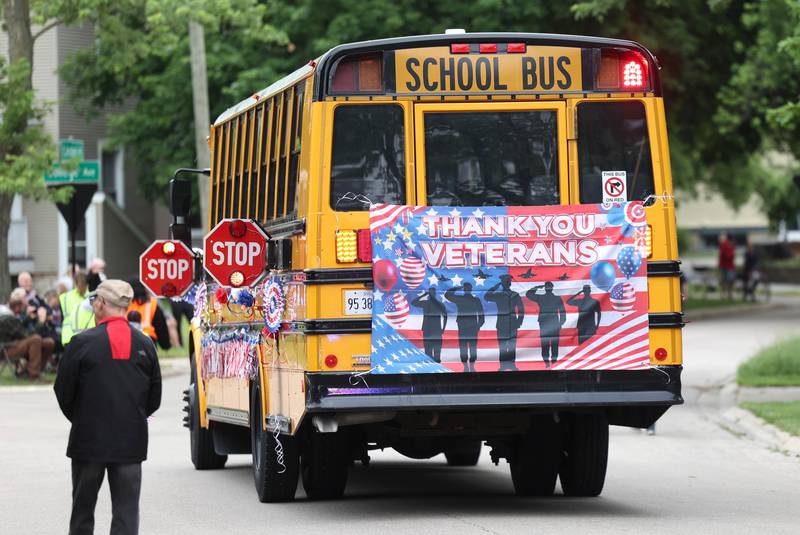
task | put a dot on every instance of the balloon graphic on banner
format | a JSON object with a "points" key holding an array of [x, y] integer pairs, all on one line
{"points": [[629, 260], [384, 272], [623, 296], [602, 275], [412, 270], [395, 309], [615, 215]]}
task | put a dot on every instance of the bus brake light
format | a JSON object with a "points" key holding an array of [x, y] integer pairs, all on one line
{"points": [[364, 245], [633, 75]]}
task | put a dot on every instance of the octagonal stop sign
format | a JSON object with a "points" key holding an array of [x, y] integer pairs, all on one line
{"points": [[235, 252], [166, 268]]}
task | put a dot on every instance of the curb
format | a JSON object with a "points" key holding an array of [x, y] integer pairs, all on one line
{"points": [[718, 312], [761, 431]]}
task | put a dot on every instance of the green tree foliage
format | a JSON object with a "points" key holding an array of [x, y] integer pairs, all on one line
{"points": [[729, 98]]}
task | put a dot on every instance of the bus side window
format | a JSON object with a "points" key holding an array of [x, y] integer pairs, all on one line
{"points": [[612, 136], [367, 156], [216, 199], [266, 168], [286, 127], [225, 184], [273, 173], [294, 148], [255, 163]]}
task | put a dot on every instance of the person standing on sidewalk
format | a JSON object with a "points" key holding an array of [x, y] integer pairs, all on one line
{"points": [[108, 383]]}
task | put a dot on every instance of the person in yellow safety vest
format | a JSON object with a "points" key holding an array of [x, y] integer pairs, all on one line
{"points": [[76, 310], [153, 322]]}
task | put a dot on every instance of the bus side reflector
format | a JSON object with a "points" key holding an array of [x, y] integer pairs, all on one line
{"points": [[346, 246], [331, 361], [661, 353], [648, 241], [364, 245], [487, 48], [459, 49], [515, 48]]}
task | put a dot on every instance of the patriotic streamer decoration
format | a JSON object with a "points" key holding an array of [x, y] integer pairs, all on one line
{"points": [[274, 305], [200, 299], [230, 353], [242, 297]]}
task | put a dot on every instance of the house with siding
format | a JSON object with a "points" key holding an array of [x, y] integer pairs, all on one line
{"points": [[119, 223]]}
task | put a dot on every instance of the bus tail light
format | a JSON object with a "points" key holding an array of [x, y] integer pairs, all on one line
{"points": [[364, 245], [621, 70], [346, 246], [661, 354]]}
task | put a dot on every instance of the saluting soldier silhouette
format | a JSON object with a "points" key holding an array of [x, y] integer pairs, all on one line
{"points": [[588, 313], [433, 322], [551, 317], [510, 313], [469, 320]]}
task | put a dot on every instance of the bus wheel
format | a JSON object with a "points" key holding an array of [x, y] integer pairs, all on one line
{"points": [[275, 460], [463, 452], [324, 465], [583, 467], [535, 458], [200, 441]]}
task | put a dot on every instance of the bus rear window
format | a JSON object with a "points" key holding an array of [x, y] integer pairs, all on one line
{"points": [[368, 160], [612, 136], [491, 158]]}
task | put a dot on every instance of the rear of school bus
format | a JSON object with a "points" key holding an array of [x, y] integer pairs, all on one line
{"points": [[415, 121], [515, 120]]}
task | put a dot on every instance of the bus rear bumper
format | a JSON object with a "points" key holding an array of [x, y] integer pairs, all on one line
{"points": [[623, 394]]}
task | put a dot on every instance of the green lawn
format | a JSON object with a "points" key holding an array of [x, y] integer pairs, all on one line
{"points": [[7, 378], [775, 365], [785, 415]]}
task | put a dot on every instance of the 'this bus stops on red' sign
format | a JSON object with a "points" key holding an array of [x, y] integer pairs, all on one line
{"points": [[166, 268], [236, 252]]}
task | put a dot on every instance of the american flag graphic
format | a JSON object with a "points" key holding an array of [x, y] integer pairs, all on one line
{"points": [[623, 296], [393, 353], [395, 309], [619, 307]]}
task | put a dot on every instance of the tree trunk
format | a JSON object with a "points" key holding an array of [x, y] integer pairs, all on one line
{"points": [[20, 47], [5, 223]]}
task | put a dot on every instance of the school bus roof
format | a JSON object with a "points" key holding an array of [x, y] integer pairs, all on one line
{"points": [[325, 64]]}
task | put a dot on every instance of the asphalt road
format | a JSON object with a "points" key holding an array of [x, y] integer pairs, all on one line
{"points": [[692, 476]]}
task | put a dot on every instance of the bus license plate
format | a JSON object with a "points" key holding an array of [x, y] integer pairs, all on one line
{"points": [[357, 302]]}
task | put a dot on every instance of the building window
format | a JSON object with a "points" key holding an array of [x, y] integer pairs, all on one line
{"points": [[112, 174]]}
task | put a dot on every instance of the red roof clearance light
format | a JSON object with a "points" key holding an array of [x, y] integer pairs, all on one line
{"points": [[633, 74], [487, 48], [661, 354], [331, 361], [459, 49], [515, 48]]}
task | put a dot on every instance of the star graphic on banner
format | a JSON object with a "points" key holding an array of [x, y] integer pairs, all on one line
{"points": [[387, 245], [432, 213], [391, 236], [455, 213], [406, 234], [433, 280], [378, 240], [478, 212], [609, 240], [398, 251], [395, 357], [381, 344], [376, 257], [479, 281], [380, 368], [377, 294], [456, 280], [422, 230], [372, 349], [398, 227], [602, 226]]}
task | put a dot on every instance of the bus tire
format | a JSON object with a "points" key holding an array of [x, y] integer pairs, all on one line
{"points": [[275, 461], [535, 459], [463, 452], [324, 465], [201, 442], [585, 455]]}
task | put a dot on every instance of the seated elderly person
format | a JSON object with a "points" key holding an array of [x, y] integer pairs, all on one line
{"points": [[20, 344]]}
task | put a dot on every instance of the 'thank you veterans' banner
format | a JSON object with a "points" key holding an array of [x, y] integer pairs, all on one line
{"points": [[509, 288]]}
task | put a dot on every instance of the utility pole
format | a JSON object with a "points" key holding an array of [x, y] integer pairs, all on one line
{"points": [[197, 46]]}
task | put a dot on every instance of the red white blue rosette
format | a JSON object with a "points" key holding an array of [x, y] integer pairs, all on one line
{"points": [[274, 305], [635, 214]]}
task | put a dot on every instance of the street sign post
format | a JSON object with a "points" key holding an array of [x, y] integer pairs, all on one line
{"points": [[235, 252], [166, 268]]}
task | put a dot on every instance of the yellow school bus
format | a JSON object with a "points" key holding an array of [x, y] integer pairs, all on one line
{"points": [[387, 121]]}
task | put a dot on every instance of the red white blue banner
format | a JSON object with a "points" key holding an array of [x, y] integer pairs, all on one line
{"points": [[509, 288]]}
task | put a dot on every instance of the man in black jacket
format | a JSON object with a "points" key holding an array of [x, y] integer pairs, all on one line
{"points": [[108, 383]]}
